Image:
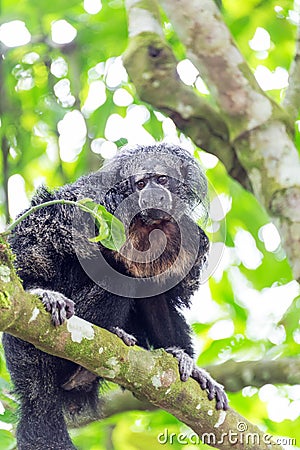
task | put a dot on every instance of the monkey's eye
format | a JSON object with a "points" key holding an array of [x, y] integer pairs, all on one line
{"points": [[162, 179], [140, 184]]}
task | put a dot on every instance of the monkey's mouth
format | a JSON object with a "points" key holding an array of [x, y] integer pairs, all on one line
{"points": [[153, 216]]}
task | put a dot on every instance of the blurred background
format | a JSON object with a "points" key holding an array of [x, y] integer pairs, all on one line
{"points": [[67, 105]]}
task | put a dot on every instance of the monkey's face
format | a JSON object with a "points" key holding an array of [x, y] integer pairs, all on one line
{"points": [[156, 206], [155, 196]]}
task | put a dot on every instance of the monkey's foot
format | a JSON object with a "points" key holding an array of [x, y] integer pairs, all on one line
{"points": [[128, 339], [187, 368], [59, 306], [81, 378]]}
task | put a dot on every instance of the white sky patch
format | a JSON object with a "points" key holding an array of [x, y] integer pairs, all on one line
{"points": [[59, 67], [294, 16], [30, 58], [267, 392], [97, 71], [266, 307], [96, 145], [247, 252], [14, 33], [17, 198], [25, 81], [115, 127], [208, 160], [115, 72], [228, 258], [72, 130], [187, 72], [278, 9], [159, 116], [214, 260], [80, 329], [2, 409], [96, 97], [278, 409], [261, 40], [269, 235], [277, 335], [169, 130], [62, 90], [278, 79], [129, 127], [39, 181], [122, 97], [186, 143], [106, 149], [62, 32], [138, 114], [92, 6], [5, 426], [296, 336], [249, 391], [221, 330], [220, 206], [209, 311]]}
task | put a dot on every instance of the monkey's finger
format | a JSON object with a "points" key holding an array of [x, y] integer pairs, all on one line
{"points": [[213, 388], [200, 376], [70, 308], [185, 362], [127, 338], [186, 365]]}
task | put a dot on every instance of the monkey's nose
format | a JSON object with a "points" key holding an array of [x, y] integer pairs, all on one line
{"points": [[155, 199]]}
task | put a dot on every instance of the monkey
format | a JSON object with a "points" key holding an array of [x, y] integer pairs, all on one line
{"points": [[136, 292]]}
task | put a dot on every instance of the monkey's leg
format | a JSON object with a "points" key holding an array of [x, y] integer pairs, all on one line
{"points": [[35, 376]]}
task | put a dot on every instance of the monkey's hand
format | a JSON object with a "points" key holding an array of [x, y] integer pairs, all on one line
{"points": [[187, 368], [127, 338], [59, 306]]}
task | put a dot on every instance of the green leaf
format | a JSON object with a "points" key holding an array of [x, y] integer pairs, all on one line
{"points": [[111, 231], [7, 441]]}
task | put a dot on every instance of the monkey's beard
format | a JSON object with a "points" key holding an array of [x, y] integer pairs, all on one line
{"points": [[152, 249]]}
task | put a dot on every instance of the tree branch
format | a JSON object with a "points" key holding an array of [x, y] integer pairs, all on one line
{"points": [[233, 375], [151, 65], [236, 375], [210, 46], [291, 101], [150, 375]]}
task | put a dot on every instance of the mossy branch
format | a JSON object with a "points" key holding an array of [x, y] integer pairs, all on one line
{"points": [[152, 376]]}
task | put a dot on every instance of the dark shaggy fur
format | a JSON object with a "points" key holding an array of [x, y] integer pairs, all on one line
{"points": [[55, 259]]}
